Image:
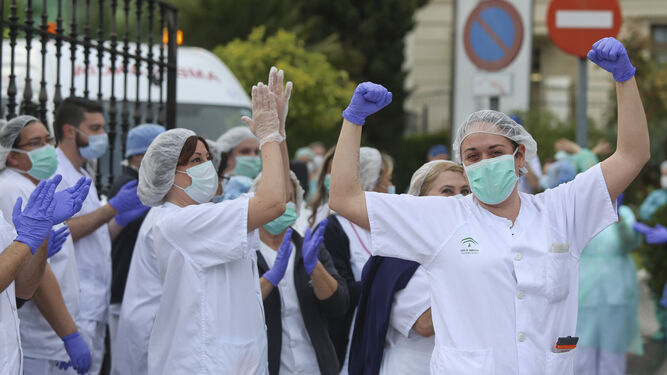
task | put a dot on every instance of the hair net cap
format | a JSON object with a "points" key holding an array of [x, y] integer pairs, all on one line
{"points": [[438, 150], [140, 137], [298, 189], [418, 178], [663, 166], [236, 186], [158, 167], [304, 152], [9, 132], [233, 137], [215, 153], [494, 122], [370, 166]]}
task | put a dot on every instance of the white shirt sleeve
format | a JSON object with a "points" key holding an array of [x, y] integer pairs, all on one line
{"points": [[208, 234], [581, 208], [408, 227], [410, 303]]}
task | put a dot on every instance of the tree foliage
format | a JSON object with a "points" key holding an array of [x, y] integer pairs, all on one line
{"points": [[320, 92]]}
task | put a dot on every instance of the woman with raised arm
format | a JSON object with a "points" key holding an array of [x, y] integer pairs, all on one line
{"points": [[502, 266]]}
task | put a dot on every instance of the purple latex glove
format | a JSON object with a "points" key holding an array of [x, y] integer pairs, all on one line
{"points": [[127, 217], [78, 352], [276, 273], [127, 198], [56, 240], [367, 99], [33, 225], [311, 246], [610, 55], [642, 228], [657, 236], [70, 200]]}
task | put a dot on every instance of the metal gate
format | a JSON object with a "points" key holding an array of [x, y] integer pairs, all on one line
{"points": [[102, 47]]}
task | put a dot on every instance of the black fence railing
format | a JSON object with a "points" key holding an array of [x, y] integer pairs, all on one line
{"points": [[121, 53]]}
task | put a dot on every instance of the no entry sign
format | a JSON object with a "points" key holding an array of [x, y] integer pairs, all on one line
{"points": [[574, 25], [493, 34]]}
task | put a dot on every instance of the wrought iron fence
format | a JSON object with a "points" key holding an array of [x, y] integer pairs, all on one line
{"points": [[125, 50]]}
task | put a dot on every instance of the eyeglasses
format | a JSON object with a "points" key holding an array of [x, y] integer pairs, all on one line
{"points": [[37, 142]]}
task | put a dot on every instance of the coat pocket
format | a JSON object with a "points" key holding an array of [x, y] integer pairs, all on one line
{"points": [[557, 276], [453, 361], [249, 358], [560, 363]]}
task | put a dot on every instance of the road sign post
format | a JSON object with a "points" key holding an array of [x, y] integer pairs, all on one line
{"points": [[574, 25]]}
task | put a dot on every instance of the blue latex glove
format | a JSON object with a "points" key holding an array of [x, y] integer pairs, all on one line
{"points": [[311, 246], [33, 225], [657, 236], [276, 273], [367, 99], [127, 217], [78, 352], [56, 240], [70, 200], [642, 228], [610, 55], [126, 199]]}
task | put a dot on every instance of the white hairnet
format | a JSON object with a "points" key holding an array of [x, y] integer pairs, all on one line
{"points": [[370, 166], [298, 190], [158, 167], [494, 122], [215, 153], [418, 178], [233, 137], [9, 132]]}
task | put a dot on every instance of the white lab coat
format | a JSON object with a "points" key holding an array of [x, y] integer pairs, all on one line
{"points": [[93, 252], [297, 355], [140, 301], [39, 339], [405, 351], [211, 316], [501, 294], [11, 356]]}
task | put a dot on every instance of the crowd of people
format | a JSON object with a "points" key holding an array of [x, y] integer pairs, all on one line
{"points": [[226, 257]]}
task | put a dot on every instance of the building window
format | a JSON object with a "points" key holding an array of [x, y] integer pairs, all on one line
{"points": [[659, 38]]}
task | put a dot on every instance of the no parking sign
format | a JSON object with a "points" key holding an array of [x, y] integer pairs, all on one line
{"points": [[493, 34]]}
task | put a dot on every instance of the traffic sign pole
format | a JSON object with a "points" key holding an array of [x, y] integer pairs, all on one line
{"points": [[582, 102]]}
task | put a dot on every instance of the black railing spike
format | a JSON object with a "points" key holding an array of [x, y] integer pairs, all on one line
{"points": [[149, 62], [43, 95], [72, 47], [160, 109], [57, 95], [86, 50], [125, 114], [11, 88], [137, 64]]}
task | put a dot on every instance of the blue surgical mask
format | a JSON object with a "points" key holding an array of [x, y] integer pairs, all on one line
{"points": [[284, 221], [204, 182], [248, 166], [391, 189], [97, 145], [493, 180], [44, 162], [327, 183]]}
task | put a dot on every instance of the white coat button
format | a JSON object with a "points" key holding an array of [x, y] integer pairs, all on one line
{"points": [[517, 256], [520, 294], [522, 337]]}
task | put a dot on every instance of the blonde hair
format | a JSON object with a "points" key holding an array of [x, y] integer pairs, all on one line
{"points": [[423, 178], [321, 193], [387, 168]]}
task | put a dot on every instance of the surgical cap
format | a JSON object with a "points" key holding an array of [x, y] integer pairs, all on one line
{"points": [[438, 150], [158, 167], [663, 166], [297, 186], [236, 186], [215, 153], [9, 133], [233, 137], [418, 178], [304, 152], [370, 166], [494, 122], [140, 137], [559, 172]]}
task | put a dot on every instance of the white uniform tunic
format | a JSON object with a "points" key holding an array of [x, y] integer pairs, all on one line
{"points": [[39, 340], [211, 317], [11, 357], [297, 355], [140, 301], [93, 252], [501, 293], [405, 351]]}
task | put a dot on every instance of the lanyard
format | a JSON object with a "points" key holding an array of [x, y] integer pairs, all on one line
{"points": [[359, 238]]}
